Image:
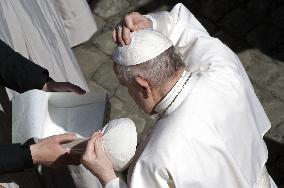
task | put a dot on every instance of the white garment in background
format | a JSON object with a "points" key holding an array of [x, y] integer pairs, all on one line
{"points": [[211, 136], [33, 28], [78, 20]]}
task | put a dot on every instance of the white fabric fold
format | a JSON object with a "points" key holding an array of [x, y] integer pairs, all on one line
{"points": [[78, 20]]}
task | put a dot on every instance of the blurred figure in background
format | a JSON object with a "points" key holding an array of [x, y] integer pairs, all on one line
{"points": [[78, 21]]}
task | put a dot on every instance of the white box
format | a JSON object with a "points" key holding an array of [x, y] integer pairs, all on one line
{"points": [[42, 114]]}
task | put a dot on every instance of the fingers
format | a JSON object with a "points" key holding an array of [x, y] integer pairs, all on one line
{"points": [[114, 35], [128, 20], [119, 38], [65, 138], [99, 146], [126, 35], [95, 133], [121, 35], [132, 22], [92, 144], [52, 86], [90, 149], [73, 88]]}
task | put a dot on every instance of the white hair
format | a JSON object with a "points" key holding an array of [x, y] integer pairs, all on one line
{"points": [[156, 71]]}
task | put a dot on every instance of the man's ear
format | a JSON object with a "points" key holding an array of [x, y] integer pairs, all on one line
{"points": [[143, 84]]}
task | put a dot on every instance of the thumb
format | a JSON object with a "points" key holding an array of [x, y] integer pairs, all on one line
{"points": [[129, 22], [65, 138], [99, 146], [90, 148]]}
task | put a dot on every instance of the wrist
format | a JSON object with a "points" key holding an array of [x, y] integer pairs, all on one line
{"points": [[45, 86], [35, 153], [106, 179]]}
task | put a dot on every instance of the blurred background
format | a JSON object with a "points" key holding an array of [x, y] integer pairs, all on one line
{"points": [[254, 29]]}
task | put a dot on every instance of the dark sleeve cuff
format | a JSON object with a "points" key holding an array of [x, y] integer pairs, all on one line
{"points": [[27, 157], [14, 158]]}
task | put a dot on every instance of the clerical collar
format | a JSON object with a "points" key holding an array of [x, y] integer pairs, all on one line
{"points": [[175, 96]]}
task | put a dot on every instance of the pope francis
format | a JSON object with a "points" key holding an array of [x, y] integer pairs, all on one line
{"points": [[210, 129]]}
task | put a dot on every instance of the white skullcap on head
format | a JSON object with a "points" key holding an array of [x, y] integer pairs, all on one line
{"points": [[144, 45], [120, 141]]}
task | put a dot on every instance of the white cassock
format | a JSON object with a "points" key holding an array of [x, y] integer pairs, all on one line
{"points": [[211, 136], [34, 29], [78, 20]]}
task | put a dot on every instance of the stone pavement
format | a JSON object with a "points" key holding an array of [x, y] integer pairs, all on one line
{"points": [[252, 28]]}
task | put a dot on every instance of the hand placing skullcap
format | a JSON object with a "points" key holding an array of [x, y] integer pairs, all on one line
{"points": [[120, 140], [144, 45]]}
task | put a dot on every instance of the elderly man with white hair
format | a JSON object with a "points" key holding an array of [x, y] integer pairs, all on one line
{"points": [[211, 125]]}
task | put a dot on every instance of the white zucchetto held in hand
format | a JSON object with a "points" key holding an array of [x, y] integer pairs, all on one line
{"points": [[145, 45], [120, 140]]}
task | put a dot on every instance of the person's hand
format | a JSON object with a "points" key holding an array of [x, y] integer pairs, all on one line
{"points": [[52, 86], [96, 160], [50, 153], [131, 22]]}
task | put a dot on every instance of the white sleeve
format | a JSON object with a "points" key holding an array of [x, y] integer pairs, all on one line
{"points": [[144, 176], [116, 183], [148, 174], [179, 25]]}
